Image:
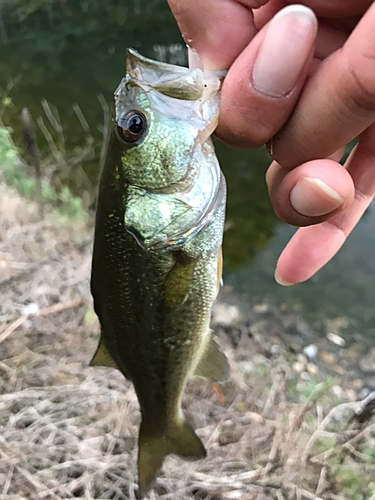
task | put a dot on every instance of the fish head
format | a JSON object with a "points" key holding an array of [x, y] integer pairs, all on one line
{"points": [[163, 118]]}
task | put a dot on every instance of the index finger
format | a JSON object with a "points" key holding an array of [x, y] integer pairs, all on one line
{"points": [[337, 103], [218, 30]]}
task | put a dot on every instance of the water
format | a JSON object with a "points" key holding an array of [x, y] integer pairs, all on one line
{"points": [[72, 55]]}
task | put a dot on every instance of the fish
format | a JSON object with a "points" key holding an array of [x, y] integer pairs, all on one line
{"points": [[157, 260]]}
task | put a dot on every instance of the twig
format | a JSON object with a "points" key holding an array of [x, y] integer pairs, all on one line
{"points": [[106, 115], [8, 480], [37, 484], [54, 149], [367, 409], [81, 117], [216, 431], [12, 327], [273, 453], [326, 421], [272, 394], [56, 124], [243, 478], [358, 454], [321, 457], [303, 493], [359, 435], [322, 481], [297, 424], [33, 154], [61, 306], [219, 393]]}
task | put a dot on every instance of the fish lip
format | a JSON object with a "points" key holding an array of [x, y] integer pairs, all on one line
{"points": [[171, 80], [135, 59]]}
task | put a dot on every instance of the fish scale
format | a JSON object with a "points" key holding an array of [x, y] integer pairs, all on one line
{"points": [[157, 246]]}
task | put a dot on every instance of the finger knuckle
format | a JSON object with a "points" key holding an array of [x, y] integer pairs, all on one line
{"points": [[252, 4], [238, 127], [361, 75]]}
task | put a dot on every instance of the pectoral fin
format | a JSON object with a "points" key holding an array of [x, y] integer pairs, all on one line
{"points": [[213, 365], [102, 357], [177, 284]]}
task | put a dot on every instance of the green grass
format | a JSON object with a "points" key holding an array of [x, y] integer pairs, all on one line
{"points": [[14, 173]]}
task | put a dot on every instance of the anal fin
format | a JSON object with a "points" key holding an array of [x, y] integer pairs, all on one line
{"points": [[102, 357], [213, 364]]}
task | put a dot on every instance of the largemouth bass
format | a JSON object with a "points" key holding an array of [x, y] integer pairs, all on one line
{"points": [[157, 250]]}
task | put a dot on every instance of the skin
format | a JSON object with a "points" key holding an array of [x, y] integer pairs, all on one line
{"points": [[330, 102]]}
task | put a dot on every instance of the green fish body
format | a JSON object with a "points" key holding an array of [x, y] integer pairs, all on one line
{"points": [[157, 249]]}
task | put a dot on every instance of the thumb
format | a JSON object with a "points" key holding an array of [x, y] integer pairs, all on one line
{"points": [[218, 30]]}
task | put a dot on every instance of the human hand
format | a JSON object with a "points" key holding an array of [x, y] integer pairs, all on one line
{"points": [[308, 92]]}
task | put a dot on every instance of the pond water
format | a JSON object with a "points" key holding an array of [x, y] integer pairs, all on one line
{"points": [[70, 56]]}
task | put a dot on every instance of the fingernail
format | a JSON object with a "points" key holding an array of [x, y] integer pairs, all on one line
{"points": [[312, 197], [280, 281], [288, 42]]}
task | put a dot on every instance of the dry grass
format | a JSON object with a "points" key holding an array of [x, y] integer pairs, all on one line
{"points": [[70, 431]]}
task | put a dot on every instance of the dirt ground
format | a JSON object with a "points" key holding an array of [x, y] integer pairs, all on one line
{"points": [[286, 428]]}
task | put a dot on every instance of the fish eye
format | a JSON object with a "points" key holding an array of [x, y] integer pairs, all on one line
{"points": [[132, 126]]}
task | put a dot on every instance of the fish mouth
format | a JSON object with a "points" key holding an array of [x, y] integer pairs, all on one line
{"points": [[171, 80]]}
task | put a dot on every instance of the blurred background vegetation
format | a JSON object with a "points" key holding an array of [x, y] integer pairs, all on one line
{"points": [[63, 59]]}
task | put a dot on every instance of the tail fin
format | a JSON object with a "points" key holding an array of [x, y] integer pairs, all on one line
{"points": [[179, 440]]}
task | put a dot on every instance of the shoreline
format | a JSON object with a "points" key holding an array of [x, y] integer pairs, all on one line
{"points": [[68, 428], [287, 425]]}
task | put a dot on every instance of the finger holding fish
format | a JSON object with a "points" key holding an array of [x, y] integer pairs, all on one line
{"points": [[330, 101]]}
